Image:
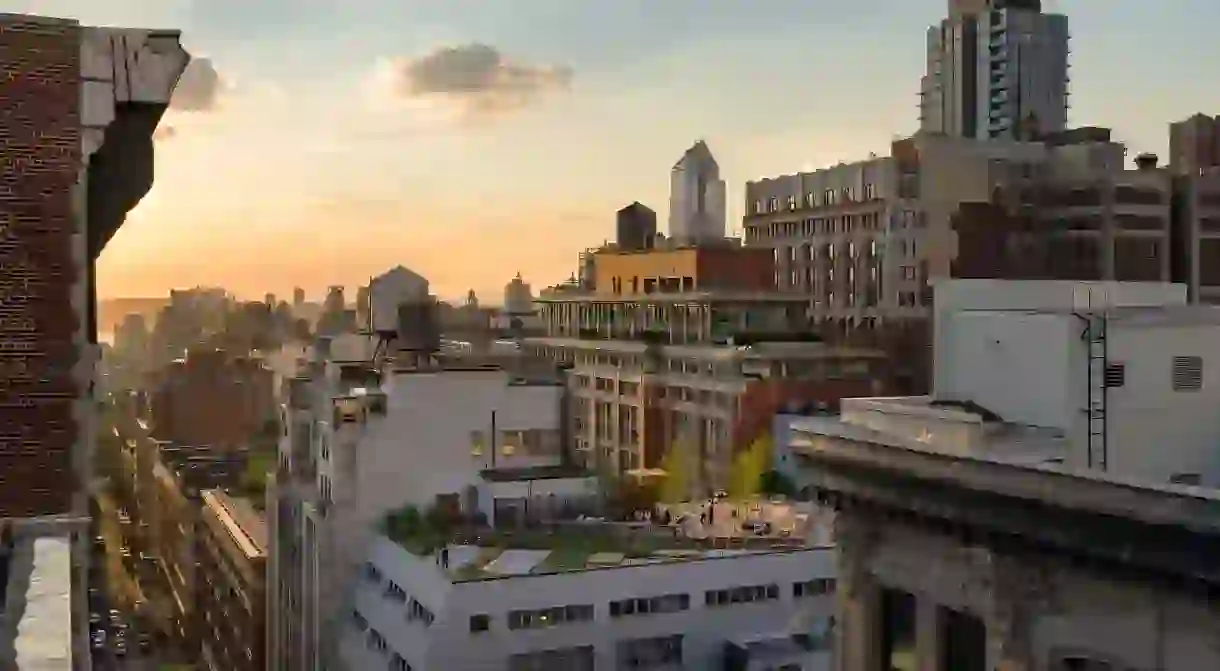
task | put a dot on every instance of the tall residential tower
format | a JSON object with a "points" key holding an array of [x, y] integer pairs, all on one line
{"points": [[996, 69]]}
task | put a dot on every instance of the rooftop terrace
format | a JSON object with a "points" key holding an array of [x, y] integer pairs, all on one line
{"points": [[467, 552]]}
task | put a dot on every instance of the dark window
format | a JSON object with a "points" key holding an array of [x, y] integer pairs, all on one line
{"points": [[963, 642], [480, 622], [898, 631]]}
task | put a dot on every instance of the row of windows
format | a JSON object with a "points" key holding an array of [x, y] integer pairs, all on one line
{"points": [[669, 603], [416, 611], [376, 641], [847, 194], [542, 618]]}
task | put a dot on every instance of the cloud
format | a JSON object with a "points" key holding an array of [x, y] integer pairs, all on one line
{"points": [[200, 87], [477, 77]]}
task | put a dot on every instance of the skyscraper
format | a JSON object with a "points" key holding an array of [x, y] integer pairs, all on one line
{"points": [[996, 69], [696, 197]]}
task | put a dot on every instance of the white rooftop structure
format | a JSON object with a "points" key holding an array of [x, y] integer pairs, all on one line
{"points": [[1120, 378]]}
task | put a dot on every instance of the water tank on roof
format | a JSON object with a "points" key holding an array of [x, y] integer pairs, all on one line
{"points": [[391, 289], [418, 326]]}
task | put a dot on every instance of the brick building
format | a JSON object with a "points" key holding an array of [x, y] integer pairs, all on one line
{"points": [[77, 156], [211, 398]]}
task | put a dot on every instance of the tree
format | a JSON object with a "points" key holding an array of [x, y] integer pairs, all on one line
{"points": [[748, 466], [679, 466]]}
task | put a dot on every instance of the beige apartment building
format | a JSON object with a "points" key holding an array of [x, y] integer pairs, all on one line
{"points": [[865, 240], [688, 348]]}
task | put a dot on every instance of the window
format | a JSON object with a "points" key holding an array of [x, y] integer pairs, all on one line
{"points": [[1191, 479], [963, 641], [750, 594], [417, 612], [669, 603], [773, 205], [476, 443], [543, 618], [898, 631], [480, 622], [1187, 373], [1116, 375], [397, 663], [791, 202], [815, 587]]}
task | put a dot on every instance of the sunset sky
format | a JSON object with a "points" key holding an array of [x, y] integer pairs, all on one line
{"points": [[342, 137]]}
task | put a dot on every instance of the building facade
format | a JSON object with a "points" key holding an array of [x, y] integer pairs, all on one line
{"points": [[1194, 144], [760, 609], [1195, 237], [1016, 518], [633, 404], [696, 197], [212, 398], [232, 583], [78, 147], [343, 465], [996, 69], [866, 240], [682, 270]]}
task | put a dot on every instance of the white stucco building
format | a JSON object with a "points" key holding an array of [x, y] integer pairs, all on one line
{"points": [[357, 437], [1101, 375], [564, 611], [696, 197]]}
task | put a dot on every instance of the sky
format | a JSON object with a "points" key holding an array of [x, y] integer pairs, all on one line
{"points": [[320, 142]]}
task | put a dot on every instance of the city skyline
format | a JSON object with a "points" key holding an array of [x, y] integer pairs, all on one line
{"points": [[326, 165]]}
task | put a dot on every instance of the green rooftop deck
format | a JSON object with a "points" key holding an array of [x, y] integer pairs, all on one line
{"points": [[568, 547]]}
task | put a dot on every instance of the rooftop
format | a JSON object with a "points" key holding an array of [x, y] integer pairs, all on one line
{"points": [[580, 545], [245, 525], [938, 426]]}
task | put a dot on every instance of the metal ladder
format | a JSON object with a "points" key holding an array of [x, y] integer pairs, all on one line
{"points": [[1098, 389]]}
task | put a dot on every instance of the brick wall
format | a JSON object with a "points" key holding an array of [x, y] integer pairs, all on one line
{"points": [[211, 400], [40, 148]]}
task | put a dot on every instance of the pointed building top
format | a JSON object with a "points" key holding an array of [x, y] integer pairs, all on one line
{"points": [[698, 153]]}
